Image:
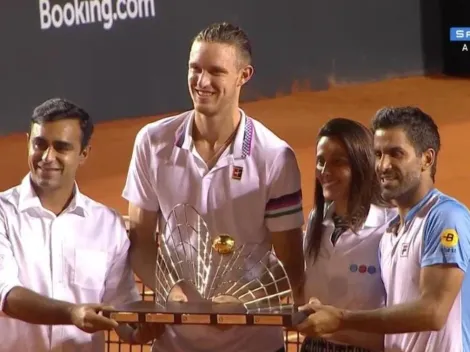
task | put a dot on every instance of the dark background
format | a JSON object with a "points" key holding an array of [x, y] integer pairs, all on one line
{"points": [[138, 68]]}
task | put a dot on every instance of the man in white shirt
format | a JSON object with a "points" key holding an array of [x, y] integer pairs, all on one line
{"points": [[63, 256], [237, 174], [425, 253]]}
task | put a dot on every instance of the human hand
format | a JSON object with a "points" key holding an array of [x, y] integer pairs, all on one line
{"points": [[89, 318], [177, 295], [226, 299], [322, 321], [313, 300]]}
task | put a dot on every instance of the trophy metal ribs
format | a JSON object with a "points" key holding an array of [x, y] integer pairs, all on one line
{"points": [[224, 283]]}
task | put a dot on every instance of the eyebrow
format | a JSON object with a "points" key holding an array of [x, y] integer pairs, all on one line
{"points": [[390, 149], [211, 68], [55, 143]]}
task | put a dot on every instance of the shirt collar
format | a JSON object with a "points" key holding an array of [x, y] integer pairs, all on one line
{"points": [[395, 223], [411, 214], [241, 146], [28, 199], [376, 216]]}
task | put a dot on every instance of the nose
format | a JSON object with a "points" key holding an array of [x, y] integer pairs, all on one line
{"points": [[48, 155], [203, 79], [325, 169], [383, 163]]}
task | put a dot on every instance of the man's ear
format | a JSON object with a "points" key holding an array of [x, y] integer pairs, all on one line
{"points": [[84, 154], [246, 74], [428, 159], [28, 136]]}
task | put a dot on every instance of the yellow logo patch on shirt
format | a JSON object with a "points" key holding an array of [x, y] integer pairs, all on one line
{"points": [[449, 238]]}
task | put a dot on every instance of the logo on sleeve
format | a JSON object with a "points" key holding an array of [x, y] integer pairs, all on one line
{"points": [[449, 238]]}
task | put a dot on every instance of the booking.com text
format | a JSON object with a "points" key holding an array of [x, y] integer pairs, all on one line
{"points": [[81, 12]]}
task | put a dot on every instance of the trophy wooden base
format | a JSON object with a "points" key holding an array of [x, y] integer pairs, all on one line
{"points": [[205, 313]]}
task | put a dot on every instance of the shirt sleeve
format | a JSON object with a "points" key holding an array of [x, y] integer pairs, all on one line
{"points": [[9, 272], [140, 183], [284, 207], [120, 285], [447, 235]]}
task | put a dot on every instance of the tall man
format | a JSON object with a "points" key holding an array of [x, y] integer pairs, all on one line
{"points": [[59, 249], [242, 178], [424, 255]]}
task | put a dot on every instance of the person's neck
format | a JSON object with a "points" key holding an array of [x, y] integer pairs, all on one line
{"points": [[216, 129], [55, 201], [408, 201], [341, 209]]}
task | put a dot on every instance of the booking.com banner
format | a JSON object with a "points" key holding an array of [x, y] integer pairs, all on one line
{"points": [[116, 58], [78, 13], [129, 58]]}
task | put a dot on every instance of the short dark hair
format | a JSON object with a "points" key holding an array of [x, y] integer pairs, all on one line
{"points": [[59, 109], [227, 33], [419, 127], [364, 189]]}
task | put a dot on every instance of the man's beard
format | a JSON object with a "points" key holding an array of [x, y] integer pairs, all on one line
{"points": [[404, 191]]}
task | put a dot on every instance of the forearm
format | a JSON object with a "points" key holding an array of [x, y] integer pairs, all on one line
{"points": [[409, 317], [288, 248], [295, 272], [30, 307], [143, 248], [143, 258], [293, 262]]}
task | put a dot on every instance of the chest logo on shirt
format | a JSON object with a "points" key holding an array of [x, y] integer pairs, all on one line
{"points": [[362, 269], [405, 248], [237, 173], [449, 238]]}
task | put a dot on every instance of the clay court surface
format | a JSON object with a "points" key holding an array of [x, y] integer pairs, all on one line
{"points": [[295, 118]]}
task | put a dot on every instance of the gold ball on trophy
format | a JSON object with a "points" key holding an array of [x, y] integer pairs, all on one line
{"points": [[223, 244]]}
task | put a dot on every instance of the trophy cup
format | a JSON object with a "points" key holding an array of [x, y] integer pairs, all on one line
{"points": [[222, 282]]}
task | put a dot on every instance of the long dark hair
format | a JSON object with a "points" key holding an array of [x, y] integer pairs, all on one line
{"points": [[364, 189]]}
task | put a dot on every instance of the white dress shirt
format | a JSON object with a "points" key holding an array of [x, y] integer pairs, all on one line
{"points": [[79, 256]]}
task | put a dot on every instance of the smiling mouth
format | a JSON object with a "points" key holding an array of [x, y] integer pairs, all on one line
{"points": [[48, 169], [388, 179], [204, 94], [330, 184]]}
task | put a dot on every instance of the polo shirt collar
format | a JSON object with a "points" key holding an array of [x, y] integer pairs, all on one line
{"points": [[241, 146]]}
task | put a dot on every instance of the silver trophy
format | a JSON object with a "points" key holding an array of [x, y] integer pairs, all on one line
{"points": [[202, 278]]}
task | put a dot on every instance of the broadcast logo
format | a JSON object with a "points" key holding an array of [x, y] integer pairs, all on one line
{"points": [[460, 34]]}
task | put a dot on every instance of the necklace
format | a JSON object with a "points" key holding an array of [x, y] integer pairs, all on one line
{"points": [[342, 224], [214, 158]]}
